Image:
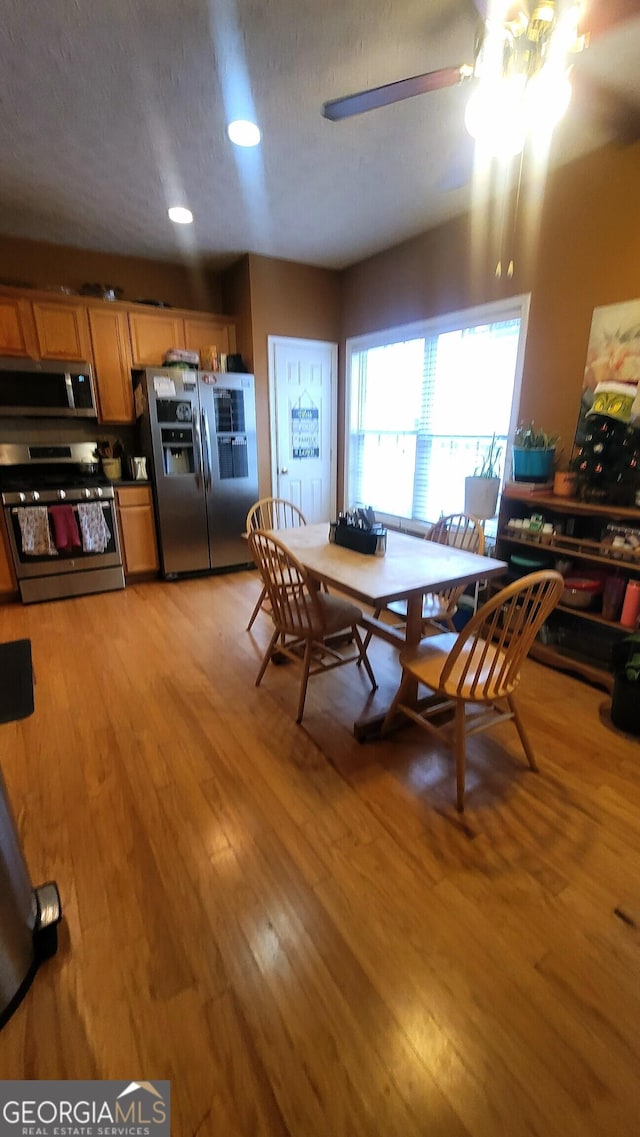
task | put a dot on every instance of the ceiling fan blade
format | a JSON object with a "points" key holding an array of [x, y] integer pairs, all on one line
{"points": [[361, 101]]}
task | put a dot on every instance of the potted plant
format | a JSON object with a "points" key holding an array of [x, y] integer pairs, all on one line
{"points": [[482, 487], [534, 450]]}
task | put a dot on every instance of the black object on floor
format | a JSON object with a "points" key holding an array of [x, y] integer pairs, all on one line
{"points": [[16, 681], [28, 917]]}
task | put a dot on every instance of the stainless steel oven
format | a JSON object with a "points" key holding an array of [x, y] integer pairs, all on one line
{"points": [[61, 521]]}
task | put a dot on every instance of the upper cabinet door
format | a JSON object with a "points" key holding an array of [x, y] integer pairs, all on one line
{"points": [[199, 333], [17, 332], [152, 335], [112, 362], [62, 331]]}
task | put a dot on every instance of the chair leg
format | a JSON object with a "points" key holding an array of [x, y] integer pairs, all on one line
{"points": [[526, 745], [363, 657], [459, 745], [267, 656], [257, 608], [305, 679]]}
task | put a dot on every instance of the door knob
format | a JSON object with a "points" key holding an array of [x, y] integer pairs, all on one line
{"points": [[284, 470]]}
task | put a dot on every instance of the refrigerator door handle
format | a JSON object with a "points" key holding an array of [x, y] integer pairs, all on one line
{"points": [[198, 438], [207, 450]]}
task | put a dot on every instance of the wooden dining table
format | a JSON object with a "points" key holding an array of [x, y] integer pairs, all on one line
{"points": [[410, 567]]}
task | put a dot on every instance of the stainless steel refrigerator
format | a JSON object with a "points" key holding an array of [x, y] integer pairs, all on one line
{"points": [[197, 430]]}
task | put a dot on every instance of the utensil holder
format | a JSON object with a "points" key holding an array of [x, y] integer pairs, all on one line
{"points": [[372, 542], [112, 469]]}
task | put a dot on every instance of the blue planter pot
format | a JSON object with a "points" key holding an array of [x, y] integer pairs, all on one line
{"points": [[533, 465]]}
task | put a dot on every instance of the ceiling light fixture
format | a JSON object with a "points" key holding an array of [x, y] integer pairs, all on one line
{"points": [[523, 77], [243, 133], [180, 215]]}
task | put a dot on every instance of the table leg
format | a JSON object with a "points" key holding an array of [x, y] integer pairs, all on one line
{"points": [[364, 729]]}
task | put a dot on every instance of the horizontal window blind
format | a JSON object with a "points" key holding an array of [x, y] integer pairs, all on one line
{"points": [[423, 410]]}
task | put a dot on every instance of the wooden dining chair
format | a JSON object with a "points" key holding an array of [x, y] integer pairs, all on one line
{"points": [[461, 531], [304, 616], [271, 513], [478, 668]]}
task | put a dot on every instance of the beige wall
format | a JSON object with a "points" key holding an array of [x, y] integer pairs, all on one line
{"points": [[586, 252], [282, 299], [42, 264]]}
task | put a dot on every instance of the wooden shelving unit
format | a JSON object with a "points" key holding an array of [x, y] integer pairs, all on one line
{"points": [[584, 547]]}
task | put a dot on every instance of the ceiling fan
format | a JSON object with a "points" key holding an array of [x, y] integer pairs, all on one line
{"points": [[520, 42]]}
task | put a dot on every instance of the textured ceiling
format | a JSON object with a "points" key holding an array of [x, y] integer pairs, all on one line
{"points": [[111, 110]]}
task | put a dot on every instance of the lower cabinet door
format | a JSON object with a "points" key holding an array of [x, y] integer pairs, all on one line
{"points": [[137, 530]]}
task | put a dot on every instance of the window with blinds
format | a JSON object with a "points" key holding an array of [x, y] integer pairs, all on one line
{"points": [[424, 403]]}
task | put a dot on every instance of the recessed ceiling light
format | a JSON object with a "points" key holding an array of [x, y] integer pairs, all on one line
{"points": [[180, 215], [243, 133]]}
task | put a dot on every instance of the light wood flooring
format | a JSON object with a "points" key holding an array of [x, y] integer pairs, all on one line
{"points": [[297, 930]]}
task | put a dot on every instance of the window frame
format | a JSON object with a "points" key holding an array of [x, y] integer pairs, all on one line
{"points": [[511, 308]]}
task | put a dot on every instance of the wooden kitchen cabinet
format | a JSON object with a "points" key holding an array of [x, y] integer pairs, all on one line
{"points": [[199, 333], [62, 331], [112, 364], [17, 330], [113, 336], [8, 582], [137, 530], [153, 334]]}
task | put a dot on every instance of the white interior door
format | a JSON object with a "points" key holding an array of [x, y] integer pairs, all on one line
{"points": [[303, 405]]}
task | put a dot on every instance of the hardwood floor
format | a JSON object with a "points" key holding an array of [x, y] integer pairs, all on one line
{"points": [[297, 930]]}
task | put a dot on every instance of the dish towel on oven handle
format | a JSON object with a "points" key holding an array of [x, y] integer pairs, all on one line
{"points": [[94, 529], [35, 532], [65, 529]]}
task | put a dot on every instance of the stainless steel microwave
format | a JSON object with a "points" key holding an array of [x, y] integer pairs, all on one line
{"points": [[46, 388]]}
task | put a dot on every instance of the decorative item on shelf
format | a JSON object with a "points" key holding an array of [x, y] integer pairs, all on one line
{"points": [[534, 451], [563, 565], [565, 483], [138, 469], [521, 564], [102, 291], [620, 541], [236, 363], [631, 605], [179, 358], [613, 596], [517, 489], [607, 441], [209, 359], [481, 488], [607, 462]]}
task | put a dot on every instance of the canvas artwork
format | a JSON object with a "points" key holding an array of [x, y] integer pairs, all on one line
{"points": [[607, 443], [612, 371]]}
